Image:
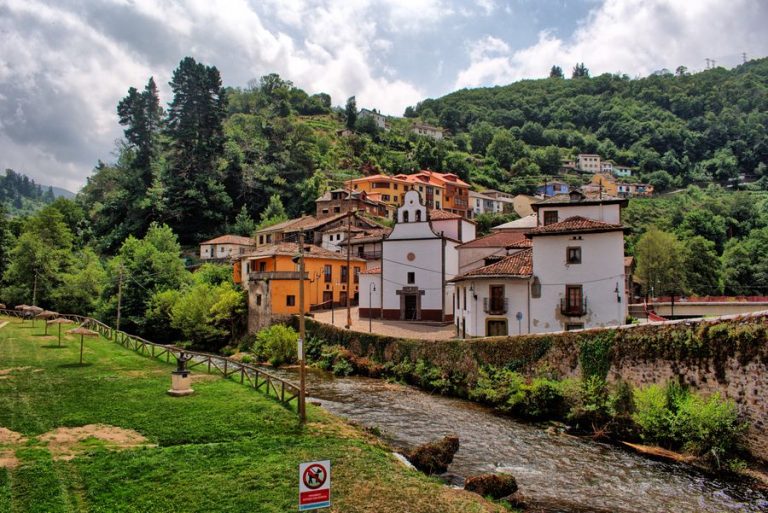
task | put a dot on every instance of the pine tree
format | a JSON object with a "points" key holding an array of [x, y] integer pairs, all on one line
{"points": [[556, 72], [350, 112], [197, 203], [274, 213], [580, 71]]}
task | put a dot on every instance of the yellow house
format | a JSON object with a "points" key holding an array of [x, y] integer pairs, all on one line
{"points": [[608, 183], [383, 188], [271, 277]]}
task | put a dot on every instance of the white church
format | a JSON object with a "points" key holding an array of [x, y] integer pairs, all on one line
{"points": [[419, 260]]}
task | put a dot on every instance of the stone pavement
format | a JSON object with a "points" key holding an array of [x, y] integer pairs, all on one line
{"points": [[401, 329]]}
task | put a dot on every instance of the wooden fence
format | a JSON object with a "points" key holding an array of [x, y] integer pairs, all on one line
{"points": [[282, 390]]}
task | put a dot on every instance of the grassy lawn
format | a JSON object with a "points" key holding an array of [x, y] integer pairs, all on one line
{"points": [[227, 448]]}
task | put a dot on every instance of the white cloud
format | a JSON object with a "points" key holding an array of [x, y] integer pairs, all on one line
{"points": [[635, 37]]}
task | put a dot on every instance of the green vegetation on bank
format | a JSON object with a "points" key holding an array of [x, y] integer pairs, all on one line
{"points": [[528, 376], [227, 448]]}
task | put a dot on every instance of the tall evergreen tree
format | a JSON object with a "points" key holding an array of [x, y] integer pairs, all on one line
{"points": [[580, 71], [197, 203], [141, 115], [5, 240], [350, 111], [556, 72]]}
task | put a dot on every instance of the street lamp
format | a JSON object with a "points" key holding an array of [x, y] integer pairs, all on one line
{"points": [[371, 288]]}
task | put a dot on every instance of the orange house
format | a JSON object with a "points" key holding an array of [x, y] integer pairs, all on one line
{"points": [[383, 188], [271, 277], [441, 191]]}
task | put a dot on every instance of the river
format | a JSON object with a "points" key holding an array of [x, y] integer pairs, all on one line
{"points": [[558, 473]]}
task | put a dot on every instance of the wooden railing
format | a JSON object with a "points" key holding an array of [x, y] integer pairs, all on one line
{"points": [[282, 390]]}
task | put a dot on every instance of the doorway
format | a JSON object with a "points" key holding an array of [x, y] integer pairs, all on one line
{"points": [[411, 311]]}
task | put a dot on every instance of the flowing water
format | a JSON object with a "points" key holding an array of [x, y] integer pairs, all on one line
{"points": [[558, 473]]}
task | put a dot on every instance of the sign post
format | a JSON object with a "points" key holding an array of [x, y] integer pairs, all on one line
{"points": [[314, 485]]}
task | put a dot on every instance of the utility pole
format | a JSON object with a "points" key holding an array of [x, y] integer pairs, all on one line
{"points": [[34, 290], [743, 57], [302, 368], [349, 270], [119, 296]]}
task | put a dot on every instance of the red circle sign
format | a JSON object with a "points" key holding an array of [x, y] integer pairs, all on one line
{"points": [[314, 476]]}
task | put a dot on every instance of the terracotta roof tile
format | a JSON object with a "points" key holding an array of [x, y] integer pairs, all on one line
{"points": [[518, 265], [441, 215], [576, 224], [292, 248], [372, 270], [231, 239], [499, 239]]}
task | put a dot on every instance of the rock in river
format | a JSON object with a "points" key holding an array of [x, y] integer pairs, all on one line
{"points": [[497, 486], [434, 457]]}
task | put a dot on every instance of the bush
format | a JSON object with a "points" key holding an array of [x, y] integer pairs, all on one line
{"points": [[277, 344], [707, 426], [497, 387], [591, 405], [342, 367], [703, 426], [542, 398]]}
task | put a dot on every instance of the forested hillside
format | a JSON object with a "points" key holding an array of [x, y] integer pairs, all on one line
{"points": [[217, 152], [708, 125], [20, 194]]}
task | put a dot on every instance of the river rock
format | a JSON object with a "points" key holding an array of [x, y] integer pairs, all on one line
{"points": [[434, 457], [497, 486]]}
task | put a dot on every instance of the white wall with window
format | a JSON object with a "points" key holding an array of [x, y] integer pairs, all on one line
{"points": [[487, 307], [581, 279]]}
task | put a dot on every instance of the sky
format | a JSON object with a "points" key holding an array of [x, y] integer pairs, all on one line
{"points": [[64, 65]]}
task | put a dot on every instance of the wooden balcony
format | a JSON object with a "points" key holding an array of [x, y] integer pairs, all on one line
{"points": [[276, 275], [495, 306], [573, 309]]}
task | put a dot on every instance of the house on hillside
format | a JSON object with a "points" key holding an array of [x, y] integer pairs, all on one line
{"points": [[271, 277], [312, 227], [419, 257], [435, 132], [441, 191], [343, 200], [573, 275], [385, 189], [552, 188], [589, 163], [379, 119], [225, 247]]}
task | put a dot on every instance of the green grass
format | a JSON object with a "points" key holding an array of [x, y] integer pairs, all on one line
{"points": [[227, 448]]}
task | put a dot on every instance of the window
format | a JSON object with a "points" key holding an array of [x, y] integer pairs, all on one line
{"points": [[573, 255], [290, 300], [360, 251], [344, 274], [395, 186], [411, 277], [464, 293], [573, 303], [247, 267], [418, 216], [437, 205], [496, 328], [496, 303], [357, 275], [261, 239], [385, 197], [325, 211], [258, 299], [262, 267], [327, 273], [336, 210], [405, 216], [574, 326], [550, 217], [221, 249]]}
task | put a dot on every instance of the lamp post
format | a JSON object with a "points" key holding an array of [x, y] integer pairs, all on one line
{"points": [[371, 288]]}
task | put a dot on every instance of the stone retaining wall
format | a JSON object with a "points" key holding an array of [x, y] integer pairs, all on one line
{"points": [[727, 355]]}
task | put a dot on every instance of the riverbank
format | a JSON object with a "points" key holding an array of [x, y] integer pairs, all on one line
{"points": [[723, 363], [105, 436]]}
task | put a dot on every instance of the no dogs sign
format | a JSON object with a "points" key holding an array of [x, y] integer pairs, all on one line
{"points": [[314, 485]]}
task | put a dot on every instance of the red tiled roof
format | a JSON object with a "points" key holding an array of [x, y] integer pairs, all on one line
{"points": [[231, 239], [518, 265], [521, 244], [292, 248], [372, 270], [500, 239], [575, 224], [441, 215]]}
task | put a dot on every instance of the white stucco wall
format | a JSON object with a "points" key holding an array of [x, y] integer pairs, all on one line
{"points": [[365, 283], [600, 274], [473, 316], [606, 213]]}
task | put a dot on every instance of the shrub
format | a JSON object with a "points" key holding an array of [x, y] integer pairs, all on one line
{"points": [[591, 404], [653, 414], [278, 344], [342, 367], [707, 426], [497, 386], [542, 398]]}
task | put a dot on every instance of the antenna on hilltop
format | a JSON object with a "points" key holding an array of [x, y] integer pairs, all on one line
{"points": [[744, 57], [707, 59]]}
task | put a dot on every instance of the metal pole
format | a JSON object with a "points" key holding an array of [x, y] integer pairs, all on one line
{"points": [[302, 369], [34, 293], [370, 310], [349, 273]]}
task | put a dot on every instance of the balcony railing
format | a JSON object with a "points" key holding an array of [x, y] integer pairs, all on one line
{"points": [[370, 255], [573, 309], [495, 306], [276, 275]]}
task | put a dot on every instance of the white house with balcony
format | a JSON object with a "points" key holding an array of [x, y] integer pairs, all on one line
{"points": [[572, 277], [225, 247], [418, 259]]}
